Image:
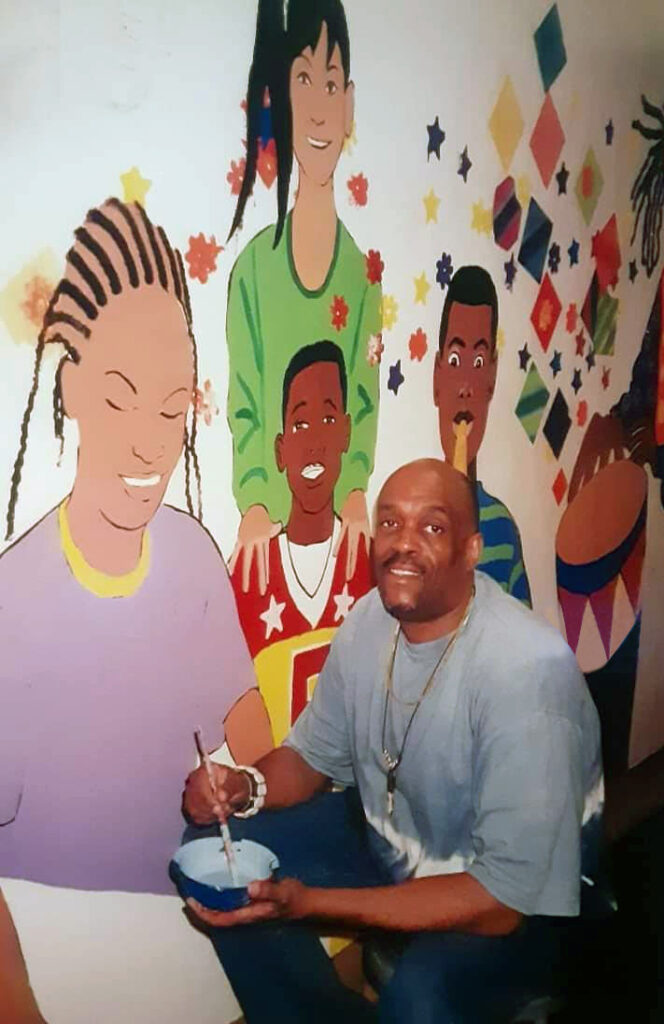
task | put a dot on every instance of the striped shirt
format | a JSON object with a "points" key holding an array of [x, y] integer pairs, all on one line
{"points": [[502, 558]]}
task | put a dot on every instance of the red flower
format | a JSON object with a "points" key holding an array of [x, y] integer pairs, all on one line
{"points": [[570, 323], [580, 343], [375, 266], [339, 311], [202, 256], [266, 163], [582, 413], [38, 293], [236, 175], [358, 187], [417, 345]]}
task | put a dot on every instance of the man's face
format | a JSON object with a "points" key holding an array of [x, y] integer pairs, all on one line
{"points": [[129, 395], [465, 376], [316, 434], [424, 545], [322, 109]]}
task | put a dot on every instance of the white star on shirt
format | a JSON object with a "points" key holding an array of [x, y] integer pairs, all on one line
{"points": [[344, 602], [272, 617]]}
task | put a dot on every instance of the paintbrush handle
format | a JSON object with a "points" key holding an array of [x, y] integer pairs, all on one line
{"points": [[223, 826]]}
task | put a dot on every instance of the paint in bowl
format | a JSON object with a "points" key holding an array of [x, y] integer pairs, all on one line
{"points": [[200, 871]]}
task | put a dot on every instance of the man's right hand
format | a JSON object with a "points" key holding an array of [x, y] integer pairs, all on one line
{"points": [[232, 792], [253, 541]]}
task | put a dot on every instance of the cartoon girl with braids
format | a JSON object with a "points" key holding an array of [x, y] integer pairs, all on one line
{"points": [[301, 279], [118, 627]]}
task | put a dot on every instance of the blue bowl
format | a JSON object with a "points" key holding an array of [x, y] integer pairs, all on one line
{"points": [[200, 871]]}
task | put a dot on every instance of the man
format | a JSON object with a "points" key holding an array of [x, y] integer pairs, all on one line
{"points": [[289, 629], [464, 380], [467, 728]]}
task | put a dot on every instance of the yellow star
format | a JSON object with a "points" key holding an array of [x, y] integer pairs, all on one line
{"points": [[135, 187], [482, 221], [500, 340], [350, 141], [524, 190], [431, 204], [421, 288]]}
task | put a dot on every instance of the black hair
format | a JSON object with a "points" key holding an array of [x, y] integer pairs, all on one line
{"points": [[647, 193], [280, 36], [71, 312], [470, 286], [319, 352]]}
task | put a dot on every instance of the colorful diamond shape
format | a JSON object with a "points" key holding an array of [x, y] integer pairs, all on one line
{"points": [[589, 185], [546, 312], [506, 214], [606, 253], [506, 123], [535, 240], [547, 140], [551, 55], [559, 487], [532, 403], [599, 315], [558, 422]]}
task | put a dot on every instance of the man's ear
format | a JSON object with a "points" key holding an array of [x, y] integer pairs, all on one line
{"points": [[350, 109], [494, 370], [69, 379], [436, 370], [278, 452], [474, 547], [347, 429]]}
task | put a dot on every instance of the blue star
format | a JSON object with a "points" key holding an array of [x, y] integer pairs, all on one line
{"points": [[464, 164], [555, 363], [561, 178], [576, 381], [510, 272], [436, 139], [590, 358], [444, 270], [396, 377], [608, 128], [524, 357], [554, 258], [632, 271], [573, 252]]}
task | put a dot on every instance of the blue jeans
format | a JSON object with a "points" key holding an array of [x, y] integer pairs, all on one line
{"points": [[281, 974]]}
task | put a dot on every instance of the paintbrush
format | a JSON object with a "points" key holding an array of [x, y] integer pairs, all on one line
{"points": [[223, 827]]}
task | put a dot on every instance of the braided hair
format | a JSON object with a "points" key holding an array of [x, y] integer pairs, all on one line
{"points": [[116, 248], [647, 193]]}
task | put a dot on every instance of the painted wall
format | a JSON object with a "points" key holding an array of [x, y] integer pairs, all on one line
{"points": [[163, 122]]}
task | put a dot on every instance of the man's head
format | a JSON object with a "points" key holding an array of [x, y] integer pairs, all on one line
{"points": [[316, 427], [426, 540], [466, 362]]}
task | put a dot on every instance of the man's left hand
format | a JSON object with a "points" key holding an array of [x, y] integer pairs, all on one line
{"points": [[285, 900]]}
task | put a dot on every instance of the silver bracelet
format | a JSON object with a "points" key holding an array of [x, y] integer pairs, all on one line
{"points": [[259, 791]]}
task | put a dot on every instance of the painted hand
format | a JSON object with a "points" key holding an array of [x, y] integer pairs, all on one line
{"points": [[285, 900], [202, 805], [354, 525], [605, 434], [253, 540]]}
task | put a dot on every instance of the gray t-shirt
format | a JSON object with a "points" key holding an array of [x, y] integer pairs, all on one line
{"points": [[501, 766]]}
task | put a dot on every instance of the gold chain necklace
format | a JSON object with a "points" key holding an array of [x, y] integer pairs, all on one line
{"points": [[392, 763], [322, 575]]}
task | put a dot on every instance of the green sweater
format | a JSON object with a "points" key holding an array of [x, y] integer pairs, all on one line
{"points": [[270, 317]]}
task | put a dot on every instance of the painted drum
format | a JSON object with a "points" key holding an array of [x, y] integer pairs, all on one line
{"points": [[200, 871], [600, 545]]}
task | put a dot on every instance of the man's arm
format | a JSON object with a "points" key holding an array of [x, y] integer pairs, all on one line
{"points": [[17, 1001], [247, 728]]}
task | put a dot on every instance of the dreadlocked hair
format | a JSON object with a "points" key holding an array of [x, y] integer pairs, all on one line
{"points": [[116, 248], [647, 193]]}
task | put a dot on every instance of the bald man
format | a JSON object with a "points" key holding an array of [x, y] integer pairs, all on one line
{"points": [[465, 735]]}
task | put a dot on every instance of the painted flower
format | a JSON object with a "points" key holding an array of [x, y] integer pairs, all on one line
{"points": [[570, 319], [235, 176], [444, 270], [202, 256], [205, 403], [375, 349], [37, 294], [339, 312], [266, 163], [358, 186], [389, 309], [417, 345], [582, 413], [375, 266]]}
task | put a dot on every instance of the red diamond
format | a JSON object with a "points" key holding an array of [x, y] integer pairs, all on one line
{"points": [[559, 487], [546, 311], [547, 140]]}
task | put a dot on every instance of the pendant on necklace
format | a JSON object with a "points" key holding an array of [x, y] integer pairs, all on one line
{"points": [[391, 786]]}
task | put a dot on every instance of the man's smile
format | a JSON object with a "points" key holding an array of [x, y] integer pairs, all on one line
{"points": [[313, 470]]}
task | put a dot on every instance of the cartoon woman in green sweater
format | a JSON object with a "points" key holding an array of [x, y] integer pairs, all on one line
{"points": [[301, 279]]}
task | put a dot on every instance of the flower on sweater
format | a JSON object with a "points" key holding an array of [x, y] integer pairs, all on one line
{"points": [[339, 312], [375, 349], [375, 266]]}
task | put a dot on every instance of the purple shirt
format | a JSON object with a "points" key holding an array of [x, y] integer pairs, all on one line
{"points": [[99, 699]]}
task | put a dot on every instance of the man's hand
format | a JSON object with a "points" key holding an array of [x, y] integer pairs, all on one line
{"points": [[253, 541], [286, 900], [203, 806], [355, 526]]}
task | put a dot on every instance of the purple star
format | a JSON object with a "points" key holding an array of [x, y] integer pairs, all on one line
{"points": [[561, 178], [576, 381], [436, 139], [590, 358], [555, 363], [464, 164], [396, 377], [573, 252], [510, 272], [632, 271], [444, 270], [554, 258], [524, 357], [608, 128]]}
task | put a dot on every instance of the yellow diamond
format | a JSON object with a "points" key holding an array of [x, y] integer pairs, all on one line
{"points": [[506, 123]]}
